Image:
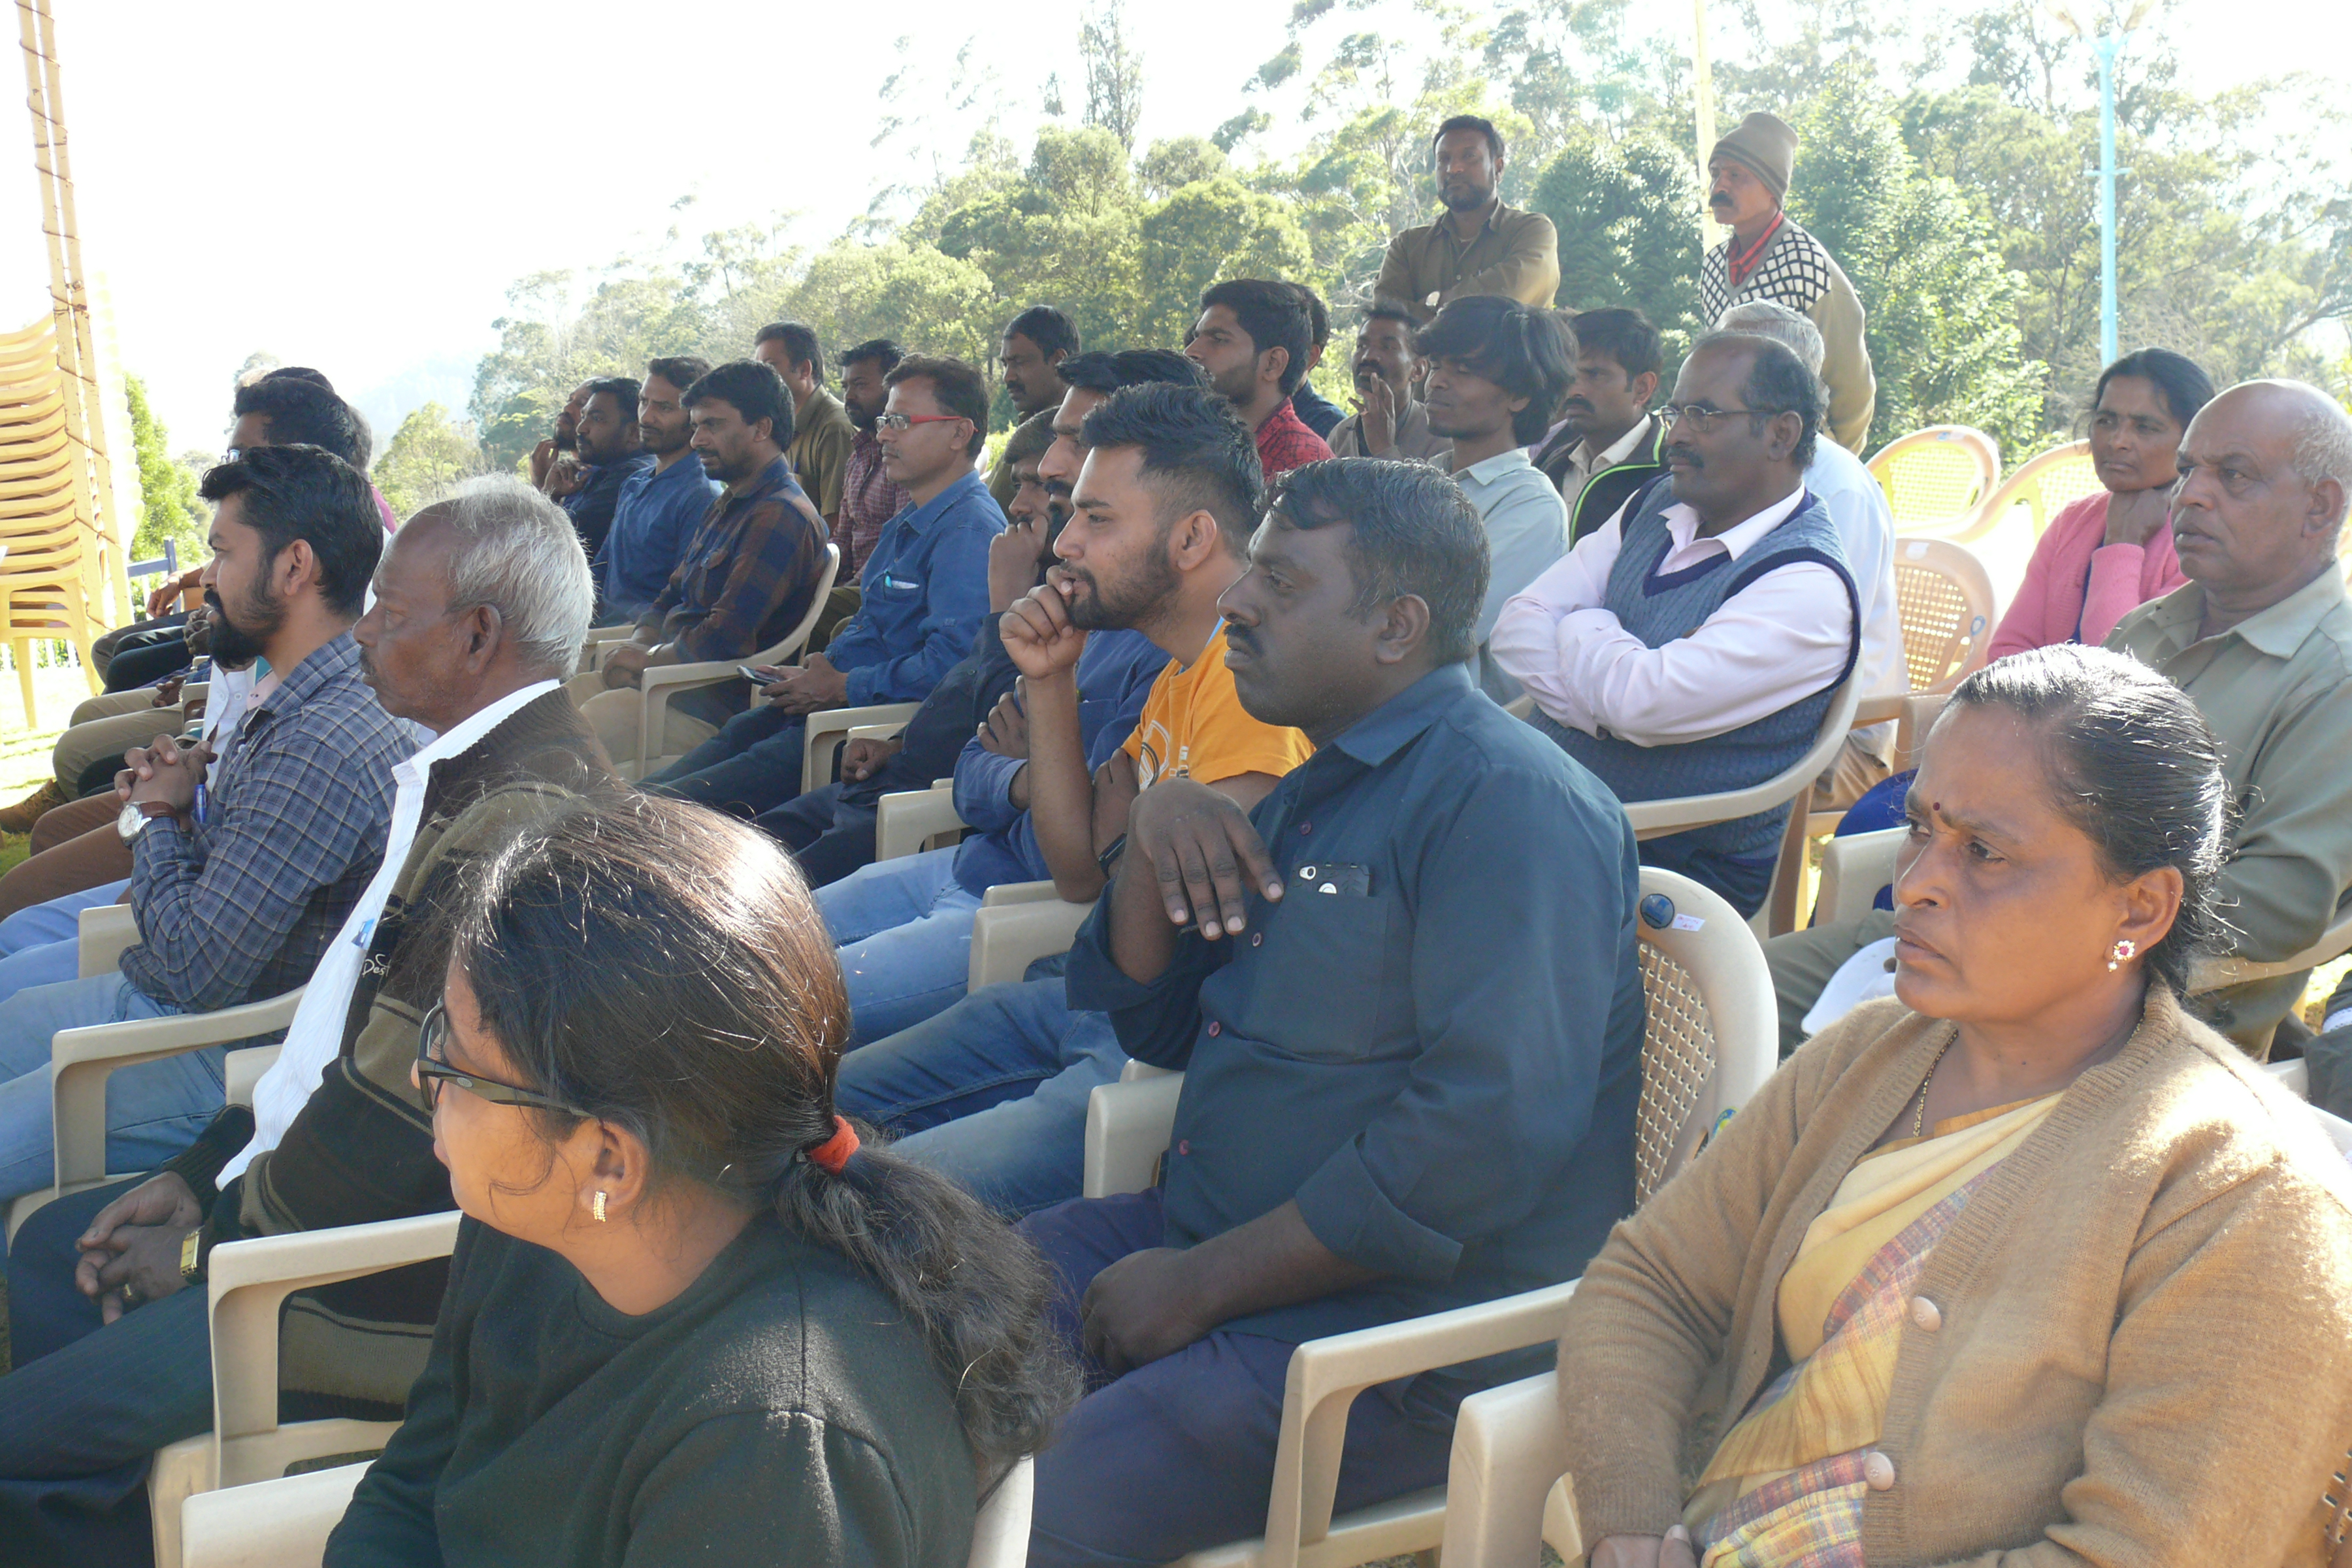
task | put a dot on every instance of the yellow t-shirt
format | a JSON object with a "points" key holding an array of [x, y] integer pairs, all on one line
{"points": [[1194, 725]]}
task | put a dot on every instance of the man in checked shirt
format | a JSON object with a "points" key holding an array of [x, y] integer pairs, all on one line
{"points": [[239, 887]]}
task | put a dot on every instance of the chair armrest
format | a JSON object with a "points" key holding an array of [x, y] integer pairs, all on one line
{"points": [[1509, 1447], [1853, 870], [1005, 893], [906, 821], [1656, 818], [824, 733], [1007, 938], [286, 1520], [877, 731], [81, 1059], [1562, 1530], [105, 931], [1326, 1374], [1127, 1125], [244, 1068], [2217, 974]]}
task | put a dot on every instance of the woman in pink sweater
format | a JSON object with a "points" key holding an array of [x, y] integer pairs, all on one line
{"points": [[2106, 555]]}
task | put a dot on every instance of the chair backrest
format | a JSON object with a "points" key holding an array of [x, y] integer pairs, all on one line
{"points": [[1947, 602], [2044, 485], [1937, 476], [1712, 1036], [1677, 813]]}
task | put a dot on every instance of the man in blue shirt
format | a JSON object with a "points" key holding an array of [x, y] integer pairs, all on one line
{"points": [[1405, 994], [611, 453], [925, 592], [659, 504]]}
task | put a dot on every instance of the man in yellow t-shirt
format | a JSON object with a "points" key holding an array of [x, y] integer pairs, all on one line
{"points": [[993, 1091]]}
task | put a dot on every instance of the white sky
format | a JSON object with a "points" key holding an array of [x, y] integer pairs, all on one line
{"points": [[355, 186]]}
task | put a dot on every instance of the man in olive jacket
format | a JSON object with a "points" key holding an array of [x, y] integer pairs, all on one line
{"points": [[482, 603]]}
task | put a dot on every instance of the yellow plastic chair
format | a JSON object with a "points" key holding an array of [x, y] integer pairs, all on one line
{"points": [[1949, 610], [1936, 479], [1712, 1041], [2047, 483]]}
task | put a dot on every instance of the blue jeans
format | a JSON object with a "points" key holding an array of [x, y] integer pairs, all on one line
{"points": [[1178, 1455], [60, 920], [87, 1405], [992, 1092], [752, 765], [904, 928], [154, 1110]]}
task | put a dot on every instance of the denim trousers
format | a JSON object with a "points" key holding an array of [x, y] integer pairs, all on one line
{"points": [[904, 928], [752, 765], [154, 1110], [59, 919], [992, 1092]]}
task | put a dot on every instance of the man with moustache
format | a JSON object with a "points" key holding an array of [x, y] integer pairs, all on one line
{"points": [[1252, 339], [555, 461], [659, 504], [1390, 421], [1480, 246], [1035, 344], [869, 496], [1690, 644], [238, 883], [1768, 255], [611, 453], [1608, 444], [818, 450], [482, 601]]}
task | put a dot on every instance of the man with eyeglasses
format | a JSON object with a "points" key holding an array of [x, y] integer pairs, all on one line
{"points": [[1691, 643], [924, 591]]}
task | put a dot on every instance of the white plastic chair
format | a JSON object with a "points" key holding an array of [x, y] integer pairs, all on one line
{"points": [[1712, 1040], [826, 730], [1679, 814], [661, 682], [1017, 924], [908, 822]]}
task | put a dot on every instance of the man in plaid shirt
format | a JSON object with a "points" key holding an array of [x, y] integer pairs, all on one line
{"points": [[241, 873]]}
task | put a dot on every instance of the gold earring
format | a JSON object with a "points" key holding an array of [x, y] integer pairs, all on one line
{"points": [[600, 1196], [2125, 947]]}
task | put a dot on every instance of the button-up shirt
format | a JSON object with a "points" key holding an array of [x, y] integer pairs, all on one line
{"points": [[238, 905], [819, 453], [317, 1032], [922, 596], [1788, 632], [1432, 1041], [1574, 469], [1515, 254], [655, 515], [590, 507], [2277, 690], [869, 498], [747, 577], [1413, 441], [1527, 526], [1284, 443]]}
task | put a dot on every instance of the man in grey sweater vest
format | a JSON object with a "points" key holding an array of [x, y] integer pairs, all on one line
{"points": [[1691, 643]]}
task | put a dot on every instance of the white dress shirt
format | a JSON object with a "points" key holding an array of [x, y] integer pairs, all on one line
{"points": [[1584, 462], [1782, 637], [316, 1034], [1865, 526]]}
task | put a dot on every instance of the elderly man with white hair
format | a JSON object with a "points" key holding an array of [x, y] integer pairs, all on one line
{"points": [[2261, 637], [1858, 509], [481, 605]]}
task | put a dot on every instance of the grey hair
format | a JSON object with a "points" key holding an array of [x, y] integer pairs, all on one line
{"points": [[517, 553], [2319, 442], [1792, 330]]}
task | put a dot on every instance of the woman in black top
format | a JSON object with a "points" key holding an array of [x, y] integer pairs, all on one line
{"points": [[689, 1318]]}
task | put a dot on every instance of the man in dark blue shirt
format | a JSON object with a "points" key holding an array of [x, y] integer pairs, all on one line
{"points": [[1405, 995], [611, 453], [660, 505]]}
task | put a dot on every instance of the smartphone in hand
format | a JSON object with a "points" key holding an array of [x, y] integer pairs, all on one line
{"points": [[759, 674]]}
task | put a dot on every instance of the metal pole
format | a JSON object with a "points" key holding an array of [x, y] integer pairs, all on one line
{"points": [[2108, 46], [1702, 92]]}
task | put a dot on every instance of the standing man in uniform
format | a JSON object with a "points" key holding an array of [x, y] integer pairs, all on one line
{"points": [[1480, 246]]}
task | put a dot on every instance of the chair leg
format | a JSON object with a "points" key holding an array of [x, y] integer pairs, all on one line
{"points": [[23, 649], [1789, 874]]}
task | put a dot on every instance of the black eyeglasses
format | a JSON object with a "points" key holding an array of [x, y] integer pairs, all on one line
{"points": [[432, 1072]]}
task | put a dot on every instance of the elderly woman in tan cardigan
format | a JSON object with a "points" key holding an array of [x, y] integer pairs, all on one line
{"points": [[2025, 1266]]}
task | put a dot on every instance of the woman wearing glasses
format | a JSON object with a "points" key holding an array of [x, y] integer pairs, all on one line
{"points": [[2025, 1266], [689, 1318]]}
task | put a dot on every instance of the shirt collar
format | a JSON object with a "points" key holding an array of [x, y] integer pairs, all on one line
{"points": [[1487, 470], [1737, 540], [1622, 450], [921, 517], [469, 730], [330, 661], [2286, 625], [691, 464], [1385, 731], [772, 480]]}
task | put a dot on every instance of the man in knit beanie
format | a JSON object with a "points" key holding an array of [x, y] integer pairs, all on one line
{"points": [[1769, 256]]}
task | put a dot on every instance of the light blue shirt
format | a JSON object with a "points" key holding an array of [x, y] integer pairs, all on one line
{"points": [[1526, 530]]}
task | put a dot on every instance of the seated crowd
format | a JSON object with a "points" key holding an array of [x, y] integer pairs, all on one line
{"points": [[776, 1246]]}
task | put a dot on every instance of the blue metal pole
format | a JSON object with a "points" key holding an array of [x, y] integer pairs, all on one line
{"points": [[2109, 44]]}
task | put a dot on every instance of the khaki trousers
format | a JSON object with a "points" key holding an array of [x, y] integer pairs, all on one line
{"points": [[1803, 961], [111, 735]]}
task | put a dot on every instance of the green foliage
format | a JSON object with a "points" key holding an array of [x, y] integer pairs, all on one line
{"points": [[426, 453], [167, 487], [1627, 214]]}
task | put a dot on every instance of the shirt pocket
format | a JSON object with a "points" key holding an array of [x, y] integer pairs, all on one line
{"points": [[1318, 984]]}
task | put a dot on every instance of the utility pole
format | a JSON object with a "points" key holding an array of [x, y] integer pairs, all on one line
{"points": [[2107, 45], [1703, 93]]}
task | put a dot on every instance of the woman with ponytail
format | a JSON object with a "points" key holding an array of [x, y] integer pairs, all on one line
{"points": [[693, 1315]]}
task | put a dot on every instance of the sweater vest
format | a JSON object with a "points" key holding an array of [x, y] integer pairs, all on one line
{"points": [[1659, 608]]}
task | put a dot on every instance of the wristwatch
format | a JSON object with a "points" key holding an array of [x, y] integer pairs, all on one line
{"points": [[131, 822], [191, 1249]]}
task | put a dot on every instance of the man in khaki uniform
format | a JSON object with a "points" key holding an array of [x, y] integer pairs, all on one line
{"points": [[1480, 246], [822, 432], [1769, 256]]}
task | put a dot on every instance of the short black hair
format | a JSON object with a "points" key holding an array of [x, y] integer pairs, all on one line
{"points": [[624, 389], [1028, 440], [1318, 314], [682, 371], [1411, 531], [1272, 315], [1107, 372], [2182, 382], [299, 491], [753, 390], [1049, 329], [882, 352], [1518, 348], [303, 413], [959, 389], [1469, 122], [1198, 454], [1778, 383], [1389, 310], [1625, 335], [317, 378], [800, 342]]}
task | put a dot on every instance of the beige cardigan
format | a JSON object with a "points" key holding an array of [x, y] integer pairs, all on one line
{"points": [[2135, 1346]]}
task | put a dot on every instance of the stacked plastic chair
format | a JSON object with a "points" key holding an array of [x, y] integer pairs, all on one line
{"points": [[46, 527]]}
